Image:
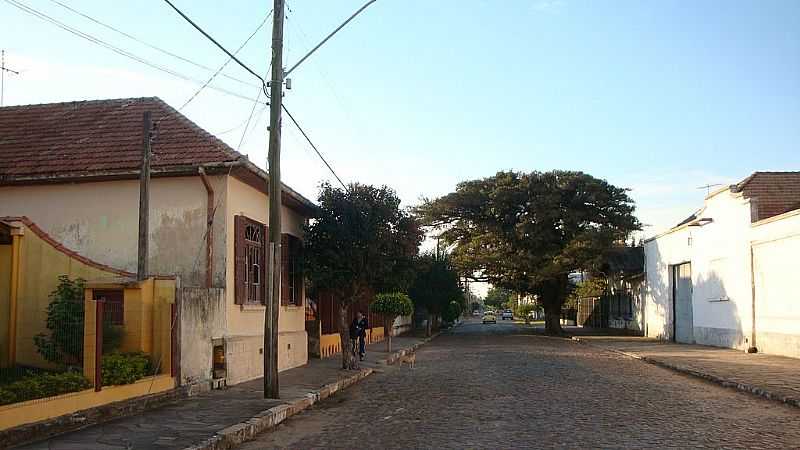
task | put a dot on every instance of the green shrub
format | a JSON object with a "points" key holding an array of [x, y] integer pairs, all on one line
{"points": [[41, 385], [125, 368]]}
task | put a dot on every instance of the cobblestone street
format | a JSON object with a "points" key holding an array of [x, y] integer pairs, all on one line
{"points": [[500, 386]]}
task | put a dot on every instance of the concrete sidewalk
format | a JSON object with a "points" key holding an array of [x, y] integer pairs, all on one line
{"points": [[771, 377], [223, 418]]}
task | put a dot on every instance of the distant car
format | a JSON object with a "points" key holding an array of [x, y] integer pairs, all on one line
{"points": [[476, 313], [507, 314], [489, 317]]}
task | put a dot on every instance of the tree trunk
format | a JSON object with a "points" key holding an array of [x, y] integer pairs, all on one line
{"points": [[387, 334], [349, 360], [429, 325], [554, 294], [552, 320]]}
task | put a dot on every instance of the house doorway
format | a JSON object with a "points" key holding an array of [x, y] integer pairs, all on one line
{"points": [[682, 322]]}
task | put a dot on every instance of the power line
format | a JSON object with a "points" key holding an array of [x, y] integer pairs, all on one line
{"points": [[154, 47], [225, 64], [233, 57], [314, 147], [115, 49], [244, 132]]}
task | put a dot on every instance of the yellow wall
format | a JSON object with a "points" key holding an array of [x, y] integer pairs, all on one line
{"points": [[5, 292], [244, 340], [35, 410], [40, 266]]}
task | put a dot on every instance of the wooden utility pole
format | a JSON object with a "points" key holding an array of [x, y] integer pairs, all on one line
{"points": [[271, 387], [144, 199]]}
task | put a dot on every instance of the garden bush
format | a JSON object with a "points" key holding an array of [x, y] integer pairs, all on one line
{"points": [[125, 368], [41, 385]]}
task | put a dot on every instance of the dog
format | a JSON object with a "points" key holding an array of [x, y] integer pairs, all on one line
{"points": [[408, 358]]}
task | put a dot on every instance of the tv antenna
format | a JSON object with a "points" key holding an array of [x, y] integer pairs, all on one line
{"points": [[708, 187], [3, 70]]}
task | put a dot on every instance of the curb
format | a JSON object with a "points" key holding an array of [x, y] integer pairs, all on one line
{"points": [[743, 387], [247, 430]]}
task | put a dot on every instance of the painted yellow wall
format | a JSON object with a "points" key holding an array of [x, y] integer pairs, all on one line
{"points": [[99, 220], [40, 266], [246, 323], [42, 409], [5, 291]]}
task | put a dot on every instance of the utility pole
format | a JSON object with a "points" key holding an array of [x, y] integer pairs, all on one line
{"points": [[144, 199], [271, 386], [3, 70]]}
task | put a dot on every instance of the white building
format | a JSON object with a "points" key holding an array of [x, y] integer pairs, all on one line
{"points": [[725, 275]]}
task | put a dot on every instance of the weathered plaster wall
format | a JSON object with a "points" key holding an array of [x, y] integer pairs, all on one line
{"points": [[776, 244], [100, 221], [202, 313], [5, 292], [245, 323]]}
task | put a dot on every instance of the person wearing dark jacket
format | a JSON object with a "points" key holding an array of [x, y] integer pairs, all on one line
{"points": [[358, 330]]}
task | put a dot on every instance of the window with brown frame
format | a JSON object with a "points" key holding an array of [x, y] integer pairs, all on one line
{"points": [[250, 256]]}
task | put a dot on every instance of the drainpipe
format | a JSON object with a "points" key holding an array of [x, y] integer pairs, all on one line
{"points": [[210, 225]]}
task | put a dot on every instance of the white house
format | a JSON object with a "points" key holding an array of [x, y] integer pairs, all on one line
{"points": [[724, 276]]}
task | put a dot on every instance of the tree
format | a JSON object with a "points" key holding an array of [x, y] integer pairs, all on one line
{"points": [[497, 297], [527, 231], [436, 284], [391, 306], [359, 242], [64, 344], [475, 306]]}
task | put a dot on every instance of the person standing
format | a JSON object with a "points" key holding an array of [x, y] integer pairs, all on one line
{"points": [[358, 330]]}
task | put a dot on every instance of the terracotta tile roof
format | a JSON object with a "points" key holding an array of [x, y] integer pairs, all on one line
{"points": [[102, 139], [774, 192], [101, 136]]}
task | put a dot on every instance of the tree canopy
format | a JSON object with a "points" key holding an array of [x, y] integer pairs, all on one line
{"points": [[360, 242], [527, 231], [436, 284], [497, 297]]}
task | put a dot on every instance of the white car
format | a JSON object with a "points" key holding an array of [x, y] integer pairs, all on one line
{"points": [[507, 315]]}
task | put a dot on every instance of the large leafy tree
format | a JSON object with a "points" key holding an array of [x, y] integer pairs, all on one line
{"points": [[436, 285], [498, 297], [359, 242], [527, 231]]}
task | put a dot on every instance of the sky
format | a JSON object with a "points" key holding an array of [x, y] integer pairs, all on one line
{"points": [[661, 97]]}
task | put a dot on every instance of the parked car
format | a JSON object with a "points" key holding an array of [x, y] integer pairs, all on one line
{"points": [[489, 317], [507, 314], [476, 313]]}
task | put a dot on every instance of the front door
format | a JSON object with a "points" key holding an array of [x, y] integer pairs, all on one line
{"points": [[683, 328]]}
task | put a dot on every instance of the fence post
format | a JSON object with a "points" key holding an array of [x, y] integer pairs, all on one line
{"points": [[98, 344]]}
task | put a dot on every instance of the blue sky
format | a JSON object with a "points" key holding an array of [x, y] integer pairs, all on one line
{"points": [[658, 96]]}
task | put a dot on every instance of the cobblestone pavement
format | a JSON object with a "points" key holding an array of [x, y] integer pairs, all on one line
{"points": [[778, 375], [499, 386], [193, 420]]}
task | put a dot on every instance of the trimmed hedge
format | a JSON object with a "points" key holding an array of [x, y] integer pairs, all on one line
{"points": [[41, 385], [125, 368]]}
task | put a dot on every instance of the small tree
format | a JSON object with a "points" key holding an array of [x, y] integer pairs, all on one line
{"points": [[391, 306], [64, 344], [359, 242], [525, 311], [435, 285]]}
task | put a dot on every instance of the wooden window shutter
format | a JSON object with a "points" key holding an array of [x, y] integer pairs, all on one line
{"points": [[240, 261], [285, 269]]}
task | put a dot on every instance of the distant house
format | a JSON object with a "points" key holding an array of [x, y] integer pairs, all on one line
{"points": [[726, 276], [73, 168]]}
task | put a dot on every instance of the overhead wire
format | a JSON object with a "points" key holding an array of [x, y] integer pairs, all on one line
{"points": [[29, 10], [147, 44], [214, 41], [308, 139]]}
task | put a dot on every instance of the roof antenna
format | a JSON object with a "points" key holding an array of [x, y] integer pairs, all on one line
{"points": [[708, 187], [3, 70]]}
